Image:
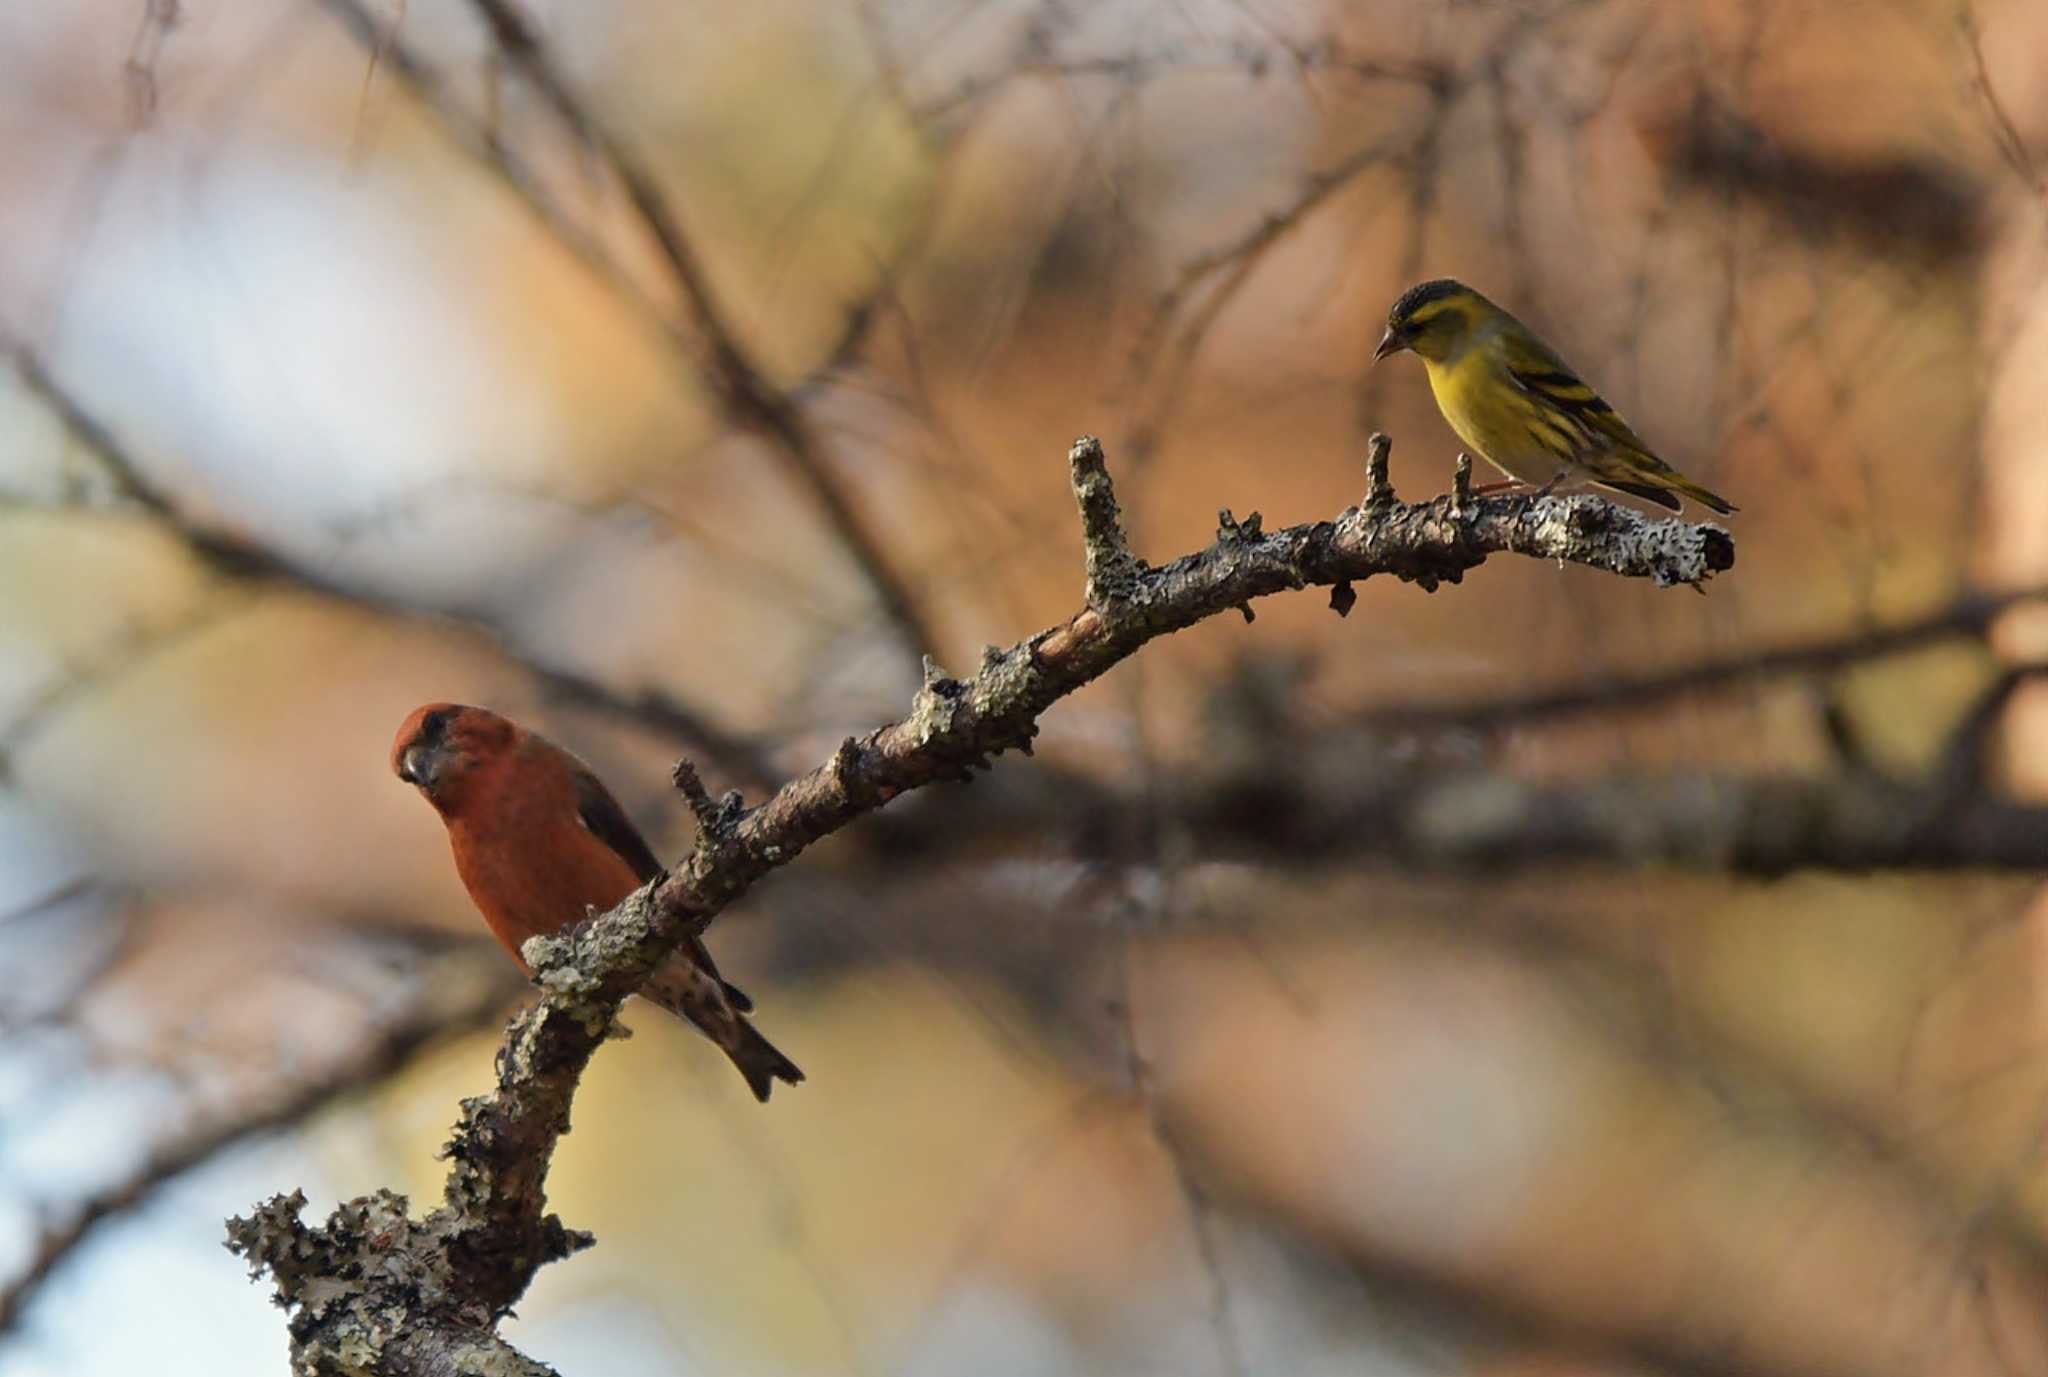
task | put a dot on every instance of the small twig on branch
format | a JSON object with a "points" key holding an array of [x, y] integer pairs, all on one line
{"points": [[1379, 487], [1113, 571], [481, 1248]]}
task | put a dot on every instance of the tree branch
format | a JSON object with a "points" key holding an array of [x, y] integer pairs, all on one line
{"points": [[470, 1259]]}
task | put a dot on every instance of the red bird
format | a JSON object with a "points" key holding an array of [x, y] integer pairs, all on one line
{"points": [[538, 839]]}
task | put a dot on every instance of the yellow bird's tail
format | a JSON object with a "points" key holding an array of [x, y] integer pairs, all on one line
{"points": [[1631, 469], [1682, 484], [1667, 495]]}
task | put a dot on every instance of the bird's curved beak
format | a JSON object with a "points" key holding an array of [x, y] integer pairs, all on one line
{"points": [[1390, 343], [418, 765]]}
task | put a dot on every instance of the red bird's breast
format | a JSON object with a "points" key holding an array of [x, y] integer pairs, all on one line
{"points": [[530, 864]]}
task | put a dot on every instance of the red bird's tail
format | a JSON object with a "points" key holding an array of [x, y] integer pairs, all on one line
{"points": [[688, 986], [760, 1062]]}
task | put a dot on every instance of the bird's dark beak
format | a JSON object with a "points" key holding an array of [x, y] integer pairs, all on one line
{"points": [[418, 766], [1390, 343]]}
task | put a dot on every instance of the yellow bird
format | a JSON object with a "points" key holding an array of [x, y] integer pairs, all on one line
{"points": [[1511, 398]]}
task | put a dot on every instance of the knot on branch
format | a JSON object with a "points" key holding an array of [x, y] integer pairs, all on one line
{"points": [[1461, 486], [846, 771], [1113, 571], [936, 712]]}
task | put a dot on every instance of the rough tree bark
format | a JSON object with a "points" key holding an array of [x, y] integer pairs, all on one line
{"points": [[375, 1289]]}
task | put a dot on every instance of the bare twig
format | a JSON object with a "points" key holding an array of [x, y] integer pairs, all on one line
{"points": [[2011, 145], [1113, 571], [470, 1259]]}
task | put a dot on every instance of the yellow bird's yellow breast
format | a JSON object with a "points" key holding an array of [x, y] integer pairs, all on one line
{"points": [[1501, 423]]}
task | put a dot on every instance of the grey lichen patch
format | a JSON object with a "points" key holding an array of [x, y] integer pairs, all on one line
{"points": [[1009, 681], [1559, 524], [575, 967], [352, 1283], [571, 981], [936, 712], [467, 1189], [271, 1238], [550, 957], [1591, 530], [354, 1351]]}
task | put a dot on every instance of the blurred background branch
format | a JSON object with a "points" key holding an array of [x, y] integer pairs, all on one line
{"points": [[449, 994], [721, 362]]}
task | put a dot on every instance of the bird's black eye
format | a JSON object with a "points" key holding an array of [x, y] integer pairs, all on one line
{"points": [[435, 724]]}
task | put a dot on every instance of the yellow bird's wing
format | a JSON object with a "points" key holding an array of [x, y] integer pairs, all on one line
{"points": [[1603, 445]]}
